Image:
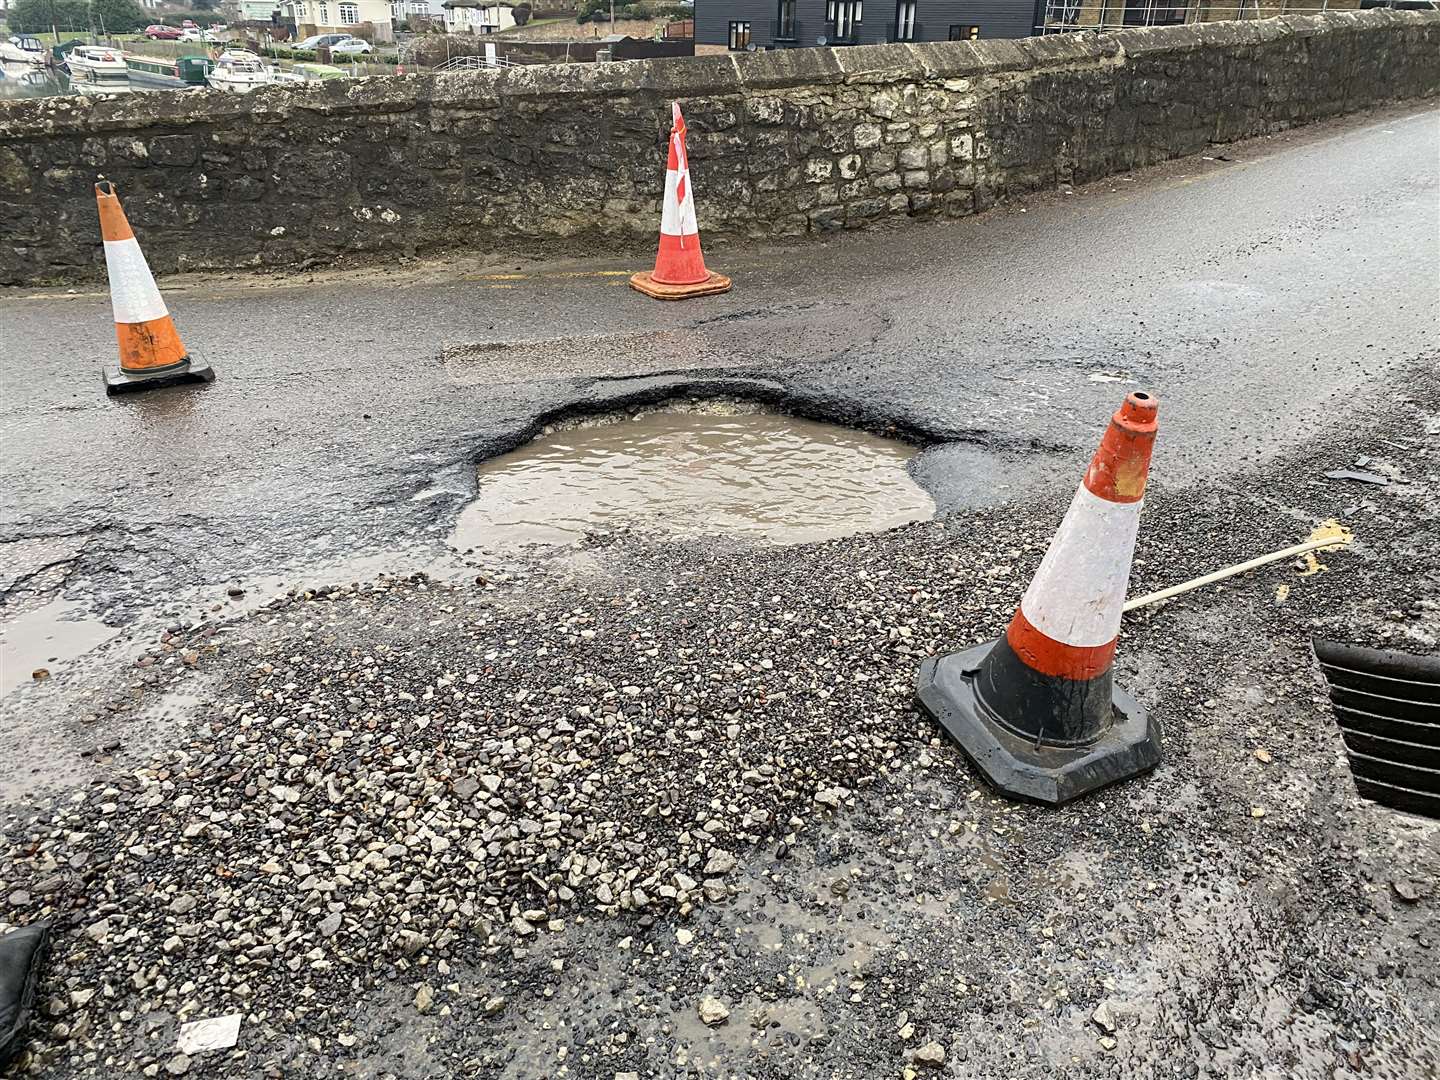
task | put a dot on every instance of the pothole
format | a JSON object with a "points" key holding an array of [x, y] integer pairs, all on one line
{"points": [[42, 640], [711, 468]]}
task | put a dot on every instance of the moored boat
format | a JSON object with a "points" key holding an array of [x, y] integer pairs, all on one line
{"points": [[154, 71], [23, 49], [21, 80], [98, 68], [239, 71], [312, 72]]}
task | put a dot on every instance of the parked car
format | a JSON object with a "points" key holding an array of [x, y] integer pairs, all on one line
{"points": [[161, 32], [321, 41], [351, 46], [196, 34]]}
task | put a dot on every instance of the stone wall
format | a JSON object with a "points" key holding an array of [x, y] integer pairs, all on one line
{"points": [[782, 143]]}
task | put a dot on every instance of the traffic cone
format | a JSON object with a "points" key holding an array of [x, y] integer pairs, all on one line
{"points": [[151, 354], [1037, 710], [679, 266]]}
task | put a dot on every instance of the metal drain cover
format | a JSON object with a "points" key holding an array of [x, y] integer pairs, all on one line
{"points": [[1387, 704]]}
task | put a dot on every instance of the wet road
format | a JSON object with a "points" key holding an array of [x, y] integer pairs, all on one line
{"points": [[1253, 292], [1240, 912]]}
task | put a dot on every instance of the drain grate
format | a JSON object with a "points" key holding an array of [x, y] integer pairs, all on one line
{"points": [[1387, 704]]}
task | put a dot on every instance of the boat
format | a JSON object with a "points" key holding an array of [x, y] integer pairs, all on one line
{"points": [[23, 79], [98, 68], [22, 49], [239, 71], [164, 73], [312, 72], [89, 89]]}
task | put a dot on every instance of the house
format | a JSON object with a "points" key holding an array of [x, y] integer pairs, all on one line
{"points": [[1069, 15], [787, 24], [402, 10], [258, 10], [477, 16], [338, 17]]}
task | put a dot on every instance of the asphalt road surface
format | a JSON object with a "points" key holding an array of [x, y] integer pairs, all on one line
{"points": [[1254, 294], [523, 817]]}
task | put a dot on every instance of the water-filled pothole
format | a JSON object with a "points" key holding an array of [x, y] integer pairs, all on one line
{"points": [[693, 469]]}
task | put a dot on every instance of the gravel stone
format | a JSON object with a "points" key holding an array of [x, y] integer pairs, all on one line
{"points": [[931, 1055], [713, 1011]]}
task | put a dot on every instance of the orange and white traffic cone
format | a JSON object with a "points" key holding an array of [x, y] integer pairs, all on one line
{"points": [[679, 266], [151, 353], [1038, 711]]}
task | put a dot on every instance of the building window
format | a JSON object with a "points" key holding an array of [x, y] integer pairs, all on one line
{"points": [[844, 18], [349, 14], [964, 33], [785, 22], [1065, 12], [905, 20], [324, 14], [739, 35], [1152, 13]]}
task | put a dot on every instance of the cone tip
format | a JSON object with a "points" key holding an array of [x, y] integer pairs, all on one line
{"points": [[1139, 409]]}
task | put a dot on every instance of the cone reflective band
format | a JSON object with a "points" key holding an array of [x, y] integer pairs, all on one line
{"points": [[1038, 711], [151, 353], [679, 264]]}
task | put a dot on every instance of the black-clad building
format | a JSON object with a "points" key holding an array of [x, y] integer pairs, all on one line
{"points": [[789, 24]]}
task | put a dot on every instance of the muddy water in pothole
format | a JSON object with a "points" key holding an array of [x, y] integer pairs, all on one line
{"points": [[46, 638], [754, 474]]}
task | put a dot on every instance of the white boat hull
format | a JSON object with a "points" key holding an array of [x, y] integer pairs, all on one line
{"points": [[95, 89], [103, 69], [237, 86], [9, 54]]}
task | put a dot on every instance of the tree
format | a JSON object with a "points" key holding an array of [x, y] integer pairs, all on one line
{"points": [[521, 12], [119, 16], [75, 16], [34, 16]]}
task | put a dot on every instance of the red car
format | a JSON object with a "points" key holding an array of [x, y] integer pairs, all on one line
{"points": [[161, 32]]}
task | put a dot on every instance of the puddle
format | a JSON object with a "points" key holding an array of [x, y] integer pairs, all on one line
{"points": [[727, 470], [48, 637]]}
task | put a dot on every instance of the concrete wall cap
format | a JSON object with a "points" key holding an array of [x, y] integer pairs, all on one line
{"points": [[675, 76], [788, 67]]}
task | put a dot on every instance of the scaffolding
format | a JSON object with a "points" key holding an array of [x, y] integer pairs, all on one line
{"points": [[1072, 16]]}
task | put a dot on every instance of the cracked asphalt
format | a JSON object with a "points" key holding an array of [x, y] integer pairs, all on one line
{"points": [[426, 826]]}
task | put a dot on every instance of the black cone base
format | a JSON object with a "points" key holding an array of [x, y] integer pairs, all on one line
{"points": [[21, 953], [193, 370], [1012, 764]]}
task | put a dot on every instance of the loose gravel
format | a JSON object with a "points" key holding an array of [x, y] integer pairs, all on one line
{"points": [[679, 816]]}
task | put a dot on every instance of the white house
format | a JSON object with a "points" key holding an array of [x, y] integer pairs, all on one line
{"points": [[401, 10], [338, 16], [258, 10], [477, 16]]}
